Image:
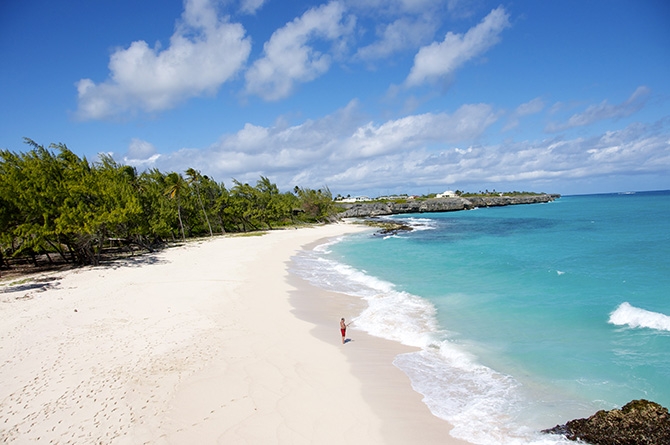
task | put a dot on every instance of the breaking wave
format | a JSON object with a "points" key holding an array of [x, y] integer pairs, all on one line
{"points": [[631, 316]]}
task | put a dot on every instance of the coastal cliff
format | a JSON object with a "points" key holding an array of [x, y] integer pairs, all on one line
{"points": [[362, 210]]}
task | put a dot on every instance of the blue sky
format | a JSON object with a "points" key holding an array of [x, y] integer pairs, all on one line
{"points": [[363, 96]]}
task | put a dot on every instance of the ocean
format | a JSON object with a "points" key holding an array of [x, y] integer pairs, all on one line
{"points": [[525, 316]]}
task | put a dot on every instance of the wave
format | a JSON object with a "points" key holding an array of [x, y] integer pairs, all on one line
{"points": [[478, 401], [421, 223], [417, 224], [391, 314], [627, 315]]}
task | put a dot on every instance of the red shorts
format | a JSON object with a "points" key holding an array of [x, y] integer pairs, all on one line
{"points": [[344, 331]]}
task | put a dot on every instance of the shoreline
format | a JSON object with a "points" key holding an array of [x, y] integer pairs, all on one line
{"points": [[198, 344], [405, 418]]}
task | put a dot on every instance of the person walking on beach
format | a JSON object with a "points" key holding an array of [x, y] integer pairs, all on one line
{"points": [[343, 329]]}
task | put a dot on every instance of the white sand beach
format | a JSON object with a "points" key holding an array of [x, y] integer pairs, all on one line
{"points": [[209, 343]]}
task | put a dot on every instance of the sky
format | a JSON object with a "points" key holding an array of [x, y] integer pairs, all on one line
{"points": [[365, 97]]}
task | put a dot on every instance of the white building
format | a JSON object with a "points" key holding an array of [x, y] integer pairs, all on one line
{"points": [[356, 199], [447, 194]]}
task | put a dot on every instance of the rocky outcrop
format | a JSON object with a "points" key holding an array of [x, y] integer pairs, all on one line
{"points": [[388, 227], [639, 422], [496, 201], [439, 205]]}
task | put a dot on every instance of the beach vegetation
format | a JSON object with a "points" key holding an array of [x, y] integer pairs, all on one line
{"points": [[195, 178], [316, 205], [175, 186], [56, 207]]}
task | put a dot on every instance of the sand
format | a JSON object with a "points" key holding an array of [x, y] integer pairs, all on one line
{"points": [[212, 342]]}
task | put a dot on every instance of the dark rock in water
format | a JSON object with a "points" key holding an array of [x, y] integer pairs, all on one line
{"points": [[639, 422], [389, 227]]}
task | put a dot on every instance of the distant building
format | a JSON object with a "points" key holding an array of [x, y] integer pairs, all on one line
{"points": [[391, 197], [356, 199], [447, 194]]}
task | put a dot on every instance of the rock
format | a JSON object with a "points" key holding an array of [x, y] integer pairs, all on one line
{"points": [[639, 422], [439, 205], [366, 210], [389, 227]]}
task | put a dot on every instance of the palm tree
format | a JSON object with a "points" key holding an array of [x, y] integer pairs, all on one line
{"points": [[195, 178], [175, 188]]}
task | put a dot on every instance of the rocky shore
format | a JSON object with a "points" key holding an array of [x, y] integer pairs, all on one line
{"points": [[363, 210], [639, 422]]}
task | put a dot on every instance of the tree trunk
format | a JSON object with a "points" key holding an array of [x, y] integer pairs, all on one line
{"points": [[181, 224], [204, 212]]}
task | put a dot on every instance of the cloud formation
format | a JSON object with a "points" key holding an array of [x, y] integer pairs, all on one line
{"points": [[207, 50], [204, 52], [140, 150], [439, 60], [636, 149], [533, 106], [402, 34], [350, 155], [290, 57], [251, 6], [605, 110], [141, 153], [346, 150], [466, 124]]}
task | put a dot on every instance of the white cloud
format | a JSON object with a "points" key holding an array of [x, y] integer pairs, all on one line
{"points": [[249, 139], [388, 27], [318, 149], [350, 154], [466, 124], [604, 110], [416, 5], [204, 52], [533, 106], [442, 59], [531, 165], [250, 6], [402, 34], [462, 8], [141, 154], [288, 56], [140, 149], [394, 7]]}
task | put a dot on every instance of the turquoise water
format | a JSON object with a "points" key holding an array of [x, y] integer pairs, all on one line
{"points": [[526, 316]]}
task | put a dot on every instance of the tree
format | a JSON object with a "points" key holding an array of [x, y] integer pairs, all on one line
{"points": [[176, 187], [119, 210], [317, 205], [243, 206], [53, 201], [37, 191], [221, 199], [195, 178], [271, 208]]}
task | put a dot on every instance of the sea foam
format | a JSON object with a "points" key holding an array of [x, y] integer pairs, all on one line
{"points": [[477, 400], [420, 223], [627, 315]]}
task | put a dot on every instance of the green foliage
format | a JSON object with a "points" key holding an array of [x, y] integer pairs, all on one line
{"points": [[54, 202], [316, 205]]}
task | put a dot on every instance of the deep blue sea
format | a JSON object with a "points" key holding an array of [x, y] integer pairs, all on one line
{"points": [[526, 316]]}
